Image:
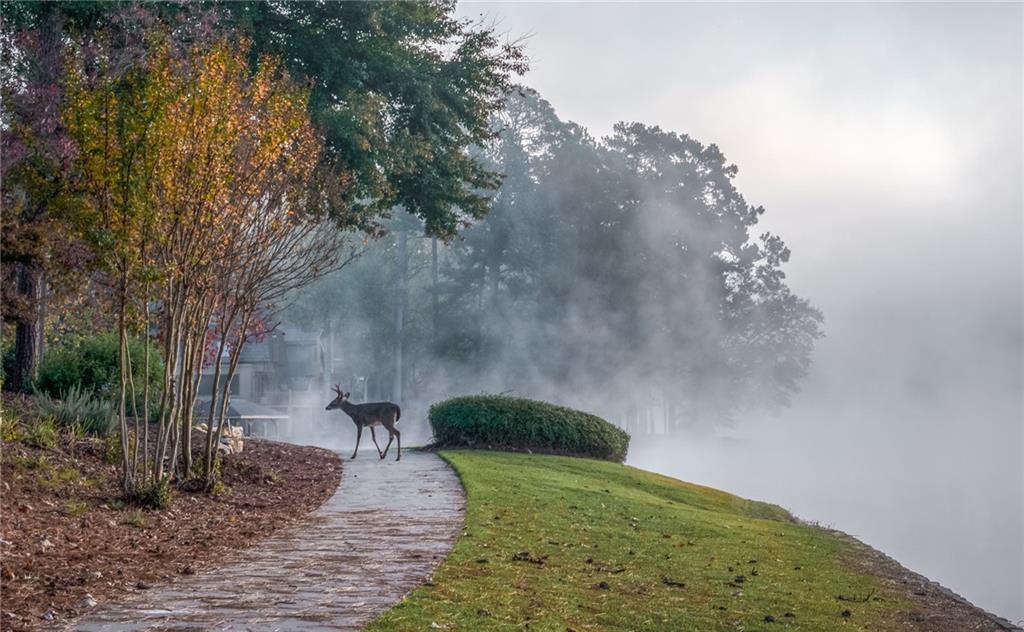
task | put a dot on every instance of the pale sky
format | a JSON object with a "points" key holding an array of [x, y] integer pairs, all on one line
{"points": [[885, 142], [883, 106]]}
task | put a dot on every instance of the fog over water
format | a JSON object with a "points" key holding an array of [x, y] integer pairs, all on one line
{"points": [[885, 143]]}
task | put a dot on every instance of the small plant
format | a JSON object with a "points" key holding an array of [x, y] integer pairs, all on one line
{"points": [[79, 409], [136, 519], [152, 496], [9, 430], [273, 477], [57, 478], [8, 358], [198, 467], [30, 463], [75, 509], [112, 448], [92, 484], [42, 433], [66, 474]]}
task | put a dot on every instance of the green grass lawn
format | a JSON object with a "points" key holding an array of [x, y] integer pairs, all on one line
{"points": [[556, 543]]}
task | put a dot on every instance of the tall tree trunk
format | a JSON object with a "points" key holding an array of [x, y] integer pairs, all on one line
{"points": [[41, 314], [184, 377], [169, 396], [211, 440], [133, 400], [401, 271], [435, 298], [28, 331], [127, 483], [145, 388], [30, 283], [190, 388], [225, 398]]}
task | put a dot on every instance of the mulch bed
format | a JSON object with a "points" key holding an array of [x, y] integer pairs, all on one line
{"points": [[66, 545]]}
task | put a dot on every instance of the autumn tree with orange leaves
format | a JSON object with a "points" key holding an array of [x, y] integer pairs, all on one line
{"points": [[209, 200]]}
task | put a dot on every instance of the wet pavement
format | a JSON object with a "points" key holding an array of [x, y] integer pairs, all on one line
{"points": [[382, 534]]}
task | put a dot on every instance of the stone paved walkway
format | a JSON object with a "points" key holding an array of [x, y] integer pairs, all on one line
{"points": [[381, 535]]}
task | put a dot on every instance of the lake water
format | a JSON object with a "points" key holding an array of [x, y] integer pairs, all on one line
{"points": [[946, 503]]}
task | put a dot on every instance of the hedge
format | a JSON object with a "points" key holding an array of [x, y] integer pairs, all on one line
{"points": [[499, 422], [91, 365]]}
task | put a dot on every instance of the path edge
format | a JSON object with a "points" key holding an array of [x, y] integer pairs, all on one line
{"points": [[458, 534]]}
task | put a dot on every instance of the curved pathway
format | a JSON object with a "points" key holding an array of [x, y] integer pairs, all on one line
{"points": [[382, 534]]}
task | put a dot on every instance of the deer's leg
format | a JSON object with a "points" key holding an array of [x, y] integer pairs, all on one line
{"points": [[359, 435], [393, 434], [373, 435]]}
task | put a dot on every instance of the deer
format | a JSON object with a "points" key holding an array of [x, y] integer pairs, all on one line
{"points": [[369, 415]]}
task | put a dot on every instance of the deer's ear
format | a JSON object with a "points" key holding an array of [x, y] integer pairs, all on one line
{"points": [[347, 394]]}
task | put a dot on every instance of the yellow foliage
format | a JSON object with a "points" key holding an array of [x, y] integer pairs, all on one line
{"points": [[189, 157]]}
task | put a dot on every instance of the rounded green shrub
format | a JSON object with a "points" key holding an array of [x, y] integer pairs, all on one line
{"points": [[90, 364], [499, 422]]}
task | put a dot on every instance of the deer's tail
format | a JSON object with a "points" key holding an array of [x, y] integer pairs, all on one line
{"points": [[398, 413]]}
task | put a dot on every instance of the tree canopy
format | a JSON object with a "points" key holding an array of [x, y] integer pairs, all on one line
{"points": [[618, 274], [400, 94], [400, 90], [194, 150]]}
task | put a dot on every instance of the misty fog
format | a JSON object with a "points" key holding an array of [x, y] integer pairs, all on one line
{"points": [[885, 145]]}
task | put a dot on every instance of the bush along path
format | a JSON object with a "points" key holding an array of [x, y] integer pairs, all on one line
{"points": [[381, 535], [500, 422]]}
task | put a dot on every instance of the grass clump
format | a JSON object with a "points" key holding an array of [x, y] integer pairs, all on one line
{"points": [[510, 423], [9, 430], [67, 474], [92, 484], [76, 509], [136, 519], [78, 408], [42, 433], [152, 496], [556, 543], [112, 452], [30, 463], [57, 478]]}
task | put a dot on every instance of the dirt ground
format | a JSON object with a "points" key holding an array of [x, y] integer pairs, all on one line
{"points": [[67, 544]]}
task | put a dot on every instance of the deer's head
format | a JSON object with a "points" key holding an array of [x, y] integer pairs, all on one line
{"points": [[337, 401]]}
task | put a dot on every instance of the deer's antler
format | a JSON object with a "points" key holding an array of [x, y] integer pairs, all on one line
{"points": [[337, 388]]}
